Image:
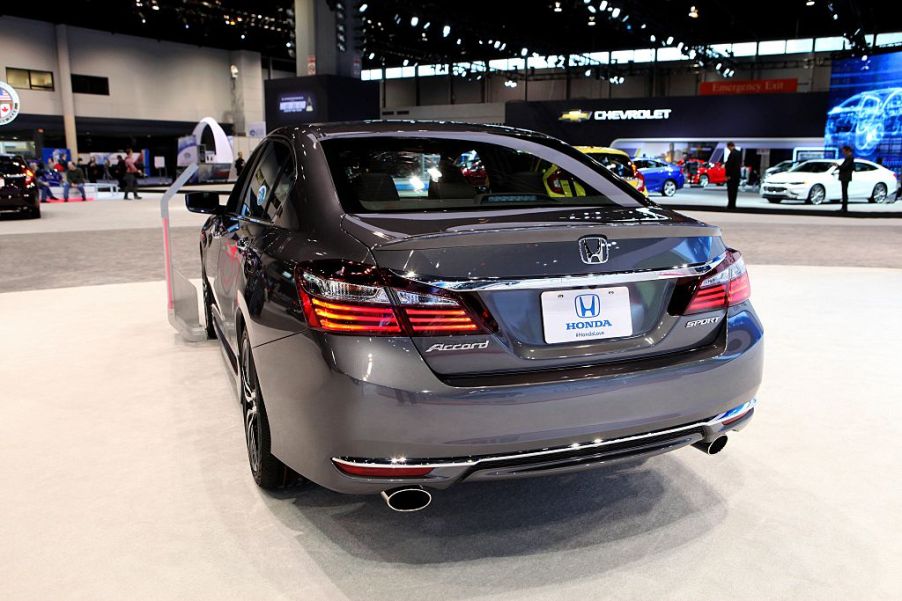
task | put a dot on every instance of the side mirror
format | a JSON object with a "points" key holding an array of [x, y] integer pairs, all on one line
{"points": [[203, 202]]}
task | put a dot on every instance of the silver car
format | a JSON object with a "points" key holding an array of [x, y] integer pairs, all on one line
{"points": [[397, 324]]}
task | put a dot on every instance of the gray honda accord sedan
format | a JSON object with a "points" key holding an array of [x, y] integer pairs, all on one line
{"points": [[409, 305]]}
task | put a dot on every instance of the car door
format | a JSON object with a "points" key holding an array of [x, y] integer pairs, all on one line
{"points": [[242, 227], [863, 180], [650, 173]]}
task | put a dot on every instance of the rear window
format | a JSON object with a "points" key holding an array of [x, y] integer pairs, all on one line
{"points": [[377, 174], [10, 166]]}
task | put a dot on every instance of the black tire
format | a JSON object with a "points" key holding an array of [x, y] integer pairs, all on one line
{"points": [[34, 212], [269, 473]]}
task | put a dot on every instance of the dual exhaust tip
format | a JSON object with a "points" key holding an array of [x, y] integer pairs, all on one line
{"points": [[416, 498]]}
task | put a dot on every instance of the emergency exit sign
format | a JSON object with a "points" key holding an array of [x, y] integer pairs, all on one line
{"points": [[748, 86]]}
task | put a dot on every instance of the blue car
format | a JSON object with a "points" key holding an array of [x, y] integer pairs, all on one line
{"points": [[662, 177]]}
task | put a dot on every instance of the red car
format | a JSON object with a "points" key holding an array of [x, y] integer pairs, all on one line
{"points": [[701, 173]]}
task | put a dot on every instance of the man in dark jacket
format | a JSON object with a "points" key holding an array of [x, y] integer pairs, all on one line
{"points": [[845, 175], [75, 176], [733, 169]]}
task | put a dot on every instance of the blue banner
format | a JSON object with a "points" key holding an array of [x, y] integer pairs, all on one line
{"points": [[866, 108]]}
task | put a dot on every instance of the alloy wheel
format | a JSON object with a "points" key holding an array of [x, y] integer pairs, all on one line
{"points": [[817, 195], [669, 188], [879, 195], [252, 425], [703, 181]]}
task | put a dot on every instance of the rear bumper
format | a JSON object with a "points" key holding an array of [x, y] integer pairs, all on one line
{"points": [[19, 201], [375, 400]]}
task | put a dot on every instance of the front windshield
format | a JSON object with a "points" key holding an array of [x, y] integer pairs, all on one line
{"points": [[813, 167], [389, 174]]}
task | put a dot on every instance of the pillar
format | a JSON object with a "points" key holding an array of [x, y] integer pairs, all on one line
{"points": [[64, 79]]}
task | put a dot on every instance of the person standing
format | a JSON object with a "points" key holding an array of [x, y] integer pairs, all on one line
{"points": [[733, 169], [131, 174], [239, 165], [75, 176], [845, 175]]}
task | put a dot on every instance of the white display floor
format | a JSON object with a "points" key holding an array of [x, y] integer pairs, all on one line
{"points": [[123, 476]]}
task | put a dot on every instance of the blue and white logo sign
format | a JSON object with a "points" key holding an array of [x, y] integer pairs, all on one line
{"points": [[582, 315], [587, 305], [261, 195], [9, 103]]}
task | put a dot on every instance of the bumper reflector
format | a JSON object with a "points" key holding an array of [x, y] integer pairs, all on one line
{"points": [[383, 472]]}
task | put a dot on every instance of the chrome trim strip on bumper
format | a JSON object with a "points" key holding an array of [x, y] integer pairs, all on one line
{"points": [[570, 281], [401, 462]]}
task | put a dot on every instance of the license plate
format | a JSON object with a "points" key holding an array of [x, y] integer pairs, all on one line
{"points": [[587, 314]]}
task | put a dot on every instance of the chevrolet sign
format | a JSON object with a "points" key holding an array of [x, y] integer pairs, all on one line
{"points": [[577, 116]]}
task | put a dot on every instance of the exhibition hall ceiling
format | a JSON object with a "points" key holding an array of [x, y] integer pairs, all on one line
{"points": [[391, 32]]}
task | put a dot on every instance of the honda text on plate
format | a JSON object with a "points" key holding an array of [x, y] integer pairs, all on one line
{"points": [[396, 328]]}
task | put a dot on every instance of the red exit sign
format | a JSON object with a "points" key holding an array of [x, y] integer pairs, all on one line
{"points": [[748, 86]]}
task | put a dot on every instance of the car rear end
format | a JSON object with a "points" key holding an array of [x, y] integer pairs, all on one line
{"points": [[18, 189], [507, 338]]}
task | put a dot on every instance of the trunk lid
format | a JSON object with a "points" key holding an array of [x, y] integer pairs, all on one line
{"points": [[528, 271]]}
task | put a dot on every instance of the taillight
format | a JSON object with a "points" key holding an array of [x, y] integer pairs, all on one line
{"points": [[356, 299], [641, 178], [29, 176], [728, 285]]}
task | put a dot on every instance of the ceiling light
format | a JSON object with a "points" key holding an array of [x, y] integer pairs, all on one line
{"points": [[719, 65], [652, 37], [809, 3], [557, 7], [497, 44], [372, 55], [414, 21], [458, 41], [591, 21], [428, 23], [406, 62], [864, 57], [363, 7], [588, 72], [446, 30], [591, 9], [615, 12], [693, 12], [603, 5], [524, 51], [242, 36], [669, 40]]}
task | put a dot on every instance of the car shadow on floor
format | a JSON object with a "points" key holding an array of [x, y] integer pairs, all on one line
{"points": [[509, 535]]}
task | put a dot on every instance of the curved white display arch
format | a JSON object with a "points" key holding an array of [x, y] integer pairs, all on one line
{"points": [[220, 140]]}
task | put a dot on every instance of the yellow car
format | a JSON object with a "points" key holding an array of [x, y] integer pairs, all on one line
{"points": [[617, 161]]}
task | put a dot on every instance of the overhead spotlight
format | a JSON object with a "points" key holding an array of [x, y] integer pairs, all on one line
{"points": [[242, 36], [446, 30], [809, 3], [588, 72], [603, 5], [497, 44], [406, 62], [414, 21], [693, 12], [428, 23], [459, 41], [557, 7], [680, 46], [669, 40], [719, 65], [615, 12], [591, 21], [642, 26], [524, 51], [591, 9], [288, 44], [864, 57], [503, 46], [372, 55], [835, 17], [363, 7], [652, 37]]}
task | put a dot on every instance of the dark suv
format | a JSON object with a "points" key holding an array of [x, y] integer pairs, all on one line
{"points": [[18, 189]]}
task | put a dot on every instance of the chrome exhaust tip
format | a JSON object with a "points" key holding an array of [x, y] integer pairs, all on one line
{"points": [[411, 498], [714, 447]]}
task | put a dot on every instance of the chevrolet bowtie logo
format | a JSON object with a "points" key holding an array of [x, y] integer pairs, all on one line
{"points": [[575, 116]]}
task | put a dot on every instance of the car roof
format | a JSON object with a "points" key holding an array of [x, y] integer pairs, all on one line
{"points": [[384, 126], [601, 150]]}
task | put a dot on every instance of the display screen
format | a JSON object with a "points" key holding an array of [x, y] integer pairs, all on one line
{"points": [[866, 108], [296, 103]]}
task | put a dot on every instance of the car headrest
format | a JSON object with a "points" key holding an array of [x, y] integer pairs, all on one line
{"points": [[376, 187]]}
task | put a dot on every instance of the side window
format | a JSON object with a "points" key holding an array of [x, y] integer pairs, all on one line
{"points": [[260, 184], [280, 191], [859, 166]]}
